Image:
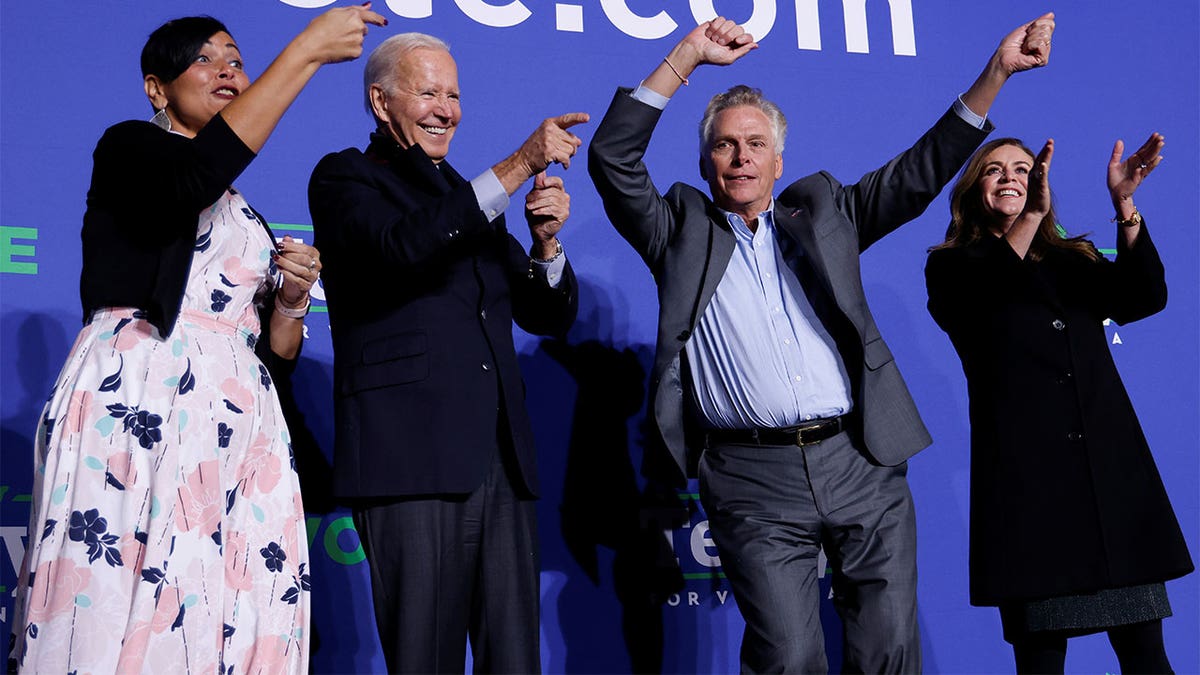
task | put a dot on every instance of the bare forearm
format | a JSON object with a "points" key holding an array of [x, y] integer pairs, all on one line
{"points": [[983, 92], [286, 335], [254, 114]]}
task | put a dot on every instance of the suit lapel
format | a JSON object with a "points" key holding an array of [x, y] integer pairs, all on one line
{"points": [[800, 249], [719, 251]]}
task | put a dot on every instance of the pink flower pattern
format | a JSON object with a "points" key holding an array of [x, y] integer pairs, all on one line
{"points": [[261, 470], [55, 586], [162, 475], [198, 503]]}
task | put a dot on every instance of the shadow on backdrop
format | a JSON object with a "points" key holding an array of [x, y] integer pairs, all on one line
{"points": [[35, 355], [606, 517]]}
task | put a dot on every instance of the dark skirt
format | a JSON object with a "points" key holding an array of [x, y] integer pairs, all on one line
{"points": [[1075, 615]]}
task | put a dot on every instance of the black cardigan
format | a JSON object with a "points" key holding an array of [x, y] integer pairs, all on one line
{"points": [[148, 189]]}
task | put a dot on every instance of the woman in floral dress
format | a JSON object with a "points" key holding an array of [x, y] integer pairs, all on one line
{"points": [[167, 530]]}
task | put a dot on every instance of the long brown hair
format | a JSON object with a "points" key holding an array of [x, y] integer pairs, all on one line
{"points": [[967, 218]]}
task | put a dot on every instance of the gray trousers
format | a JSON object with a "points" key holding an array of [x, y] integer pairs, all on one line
{"points": [[771, 508]]}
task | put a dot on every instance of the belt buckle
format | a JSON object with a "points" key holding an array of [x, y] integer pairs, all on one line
{"points": [[812, 429], [800, 435]]}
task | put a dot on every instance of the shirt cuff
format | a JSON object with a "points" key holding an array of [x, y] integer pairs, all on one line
{"points": [[967, 115], [650, 97], [490, 194], [549, 270]]}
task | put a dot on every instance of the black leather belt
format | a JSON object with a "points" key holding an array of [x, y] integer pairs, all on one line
{"points": [[804, 434]]}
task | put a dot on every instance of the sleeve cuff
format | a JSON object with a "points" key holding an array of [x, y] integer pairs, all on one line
{"points": [[650, 97], [967, 115], [549, 270], [490, 194]]}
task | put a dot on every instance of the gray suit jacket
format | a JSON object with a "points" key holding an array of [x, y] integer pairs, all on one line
{"points": [[823, 226]]}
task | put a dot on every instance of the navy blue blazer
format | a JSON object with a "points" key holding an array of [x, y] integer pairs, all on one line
{"points": [[422, 293]]}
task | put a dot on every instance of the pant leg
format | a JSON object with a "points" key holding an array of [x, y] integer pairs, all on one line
{"points": [[871, 543], [422, 561], [505, 631], [763, 520]]}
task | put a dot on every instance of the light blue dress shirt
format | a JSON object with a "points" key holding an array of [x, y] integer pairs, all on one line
{"points": [[759, 355]]}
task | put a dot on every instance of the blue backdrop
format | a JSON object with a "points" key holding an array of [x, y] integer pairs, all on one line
{"points": [[858, 80]]}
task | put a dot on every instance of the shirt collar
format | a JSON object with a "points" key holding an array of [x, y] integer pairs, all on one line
{"points": [[743, 231]]}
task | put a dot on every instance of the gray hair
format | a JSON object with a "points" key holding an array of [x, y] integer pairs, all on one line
{"points": [[381, 65], [743, 95]]}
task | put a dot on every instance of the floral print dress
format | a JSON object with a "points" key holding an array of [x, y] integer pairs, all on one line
{"points": [[167, 532]]}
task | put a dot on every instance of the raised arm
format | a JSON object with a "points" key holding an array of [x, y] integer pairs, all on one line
{"points": [[633, 205], [1124, 177], [1037, 203], [1026, 47], [335, 36], [718, 42]]}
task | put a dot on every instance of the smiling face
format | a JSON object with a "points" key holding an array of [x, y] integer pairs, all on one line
{"points": [[1003, 185], [424, 107], [740, 162], [214, 78]]}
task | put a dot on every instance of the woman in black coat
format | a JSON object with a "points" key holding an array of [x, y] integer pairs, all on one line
{"points": [[1071, 530]]}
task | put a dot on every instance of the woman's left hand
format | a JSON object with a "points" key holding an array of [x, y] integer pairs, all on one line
{"points": [[300, 265], [1124, 176]]}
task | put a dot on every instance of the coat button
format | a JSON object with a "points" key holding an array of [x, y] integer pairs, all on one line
{"points": [[483, 313], [485, 366], [1074, 436], [1058, 324]]}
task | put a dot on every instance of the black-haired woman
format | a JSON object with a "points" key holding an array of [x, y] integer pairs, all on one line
{"points": [[1071, 530], [167, 531]]}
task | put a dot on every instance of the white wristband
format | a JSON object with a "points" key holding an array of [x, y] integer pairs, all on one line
{"points": [[292, 312]]}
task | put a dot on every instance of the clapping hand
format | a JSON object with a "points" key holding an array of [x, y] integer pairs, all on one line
{"points": [[1124, 176]]}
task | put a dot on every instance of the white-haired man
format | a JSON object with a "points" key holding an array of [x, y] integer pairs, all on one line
{"points": [[433, 443], [770, 378]]}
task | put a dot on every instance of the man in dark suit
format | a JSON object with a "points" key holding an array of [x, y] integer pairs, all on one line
{"points": [[433, 444], [769, 367]]}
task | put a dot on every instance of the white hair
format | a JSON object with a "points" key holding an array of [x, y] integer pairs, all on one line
{"points": [[381, 65], [743, 95]]}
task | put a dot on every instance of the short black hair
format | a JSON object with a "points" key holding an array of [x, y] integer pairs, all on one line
{"points": [[173, 46]]}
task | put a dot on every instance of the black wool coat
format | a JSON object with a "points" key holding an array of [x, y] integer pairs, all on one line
{"points": [[1065, 495]]}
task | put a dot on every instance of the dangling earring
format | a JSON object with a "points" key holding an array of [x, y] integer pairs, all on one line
{"points": [[161, 120]]}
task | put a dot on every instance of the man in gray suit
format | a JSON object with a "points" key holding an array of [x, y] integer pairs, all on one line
{"points": [[769, 367]]}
